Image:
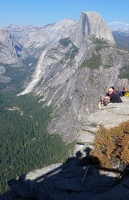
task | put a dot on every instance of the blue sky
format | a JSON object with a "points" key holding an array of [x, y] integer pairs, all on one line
{"points": [[42, 12]]}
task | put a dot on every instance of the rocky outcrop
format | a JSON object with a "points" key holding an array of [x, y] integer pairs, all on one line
{"points": [[80, 177], [108, 116], [72, 180]]}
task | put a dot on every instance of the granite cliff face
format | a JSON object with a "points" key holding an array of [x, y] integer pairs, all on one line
{"points": [[92, 24], [10, 51], [36, 39], [79, 62], [12, 54]]}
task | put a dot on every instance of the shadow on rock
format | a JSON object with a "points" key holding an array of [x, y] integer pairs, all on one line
{"points": [[81, 177]]}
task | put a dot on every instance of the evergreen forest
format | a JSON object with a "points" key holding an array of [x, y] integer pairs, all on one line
{"points": [[25, 144]]}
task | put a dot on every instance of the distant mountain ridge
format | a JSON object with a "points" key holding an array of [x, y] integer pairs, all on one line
{"points": [[90, 23], [35, 38], [121, 39]]}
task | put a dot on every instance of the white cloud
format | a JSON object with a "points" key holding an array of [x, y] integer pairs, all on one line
{"points": [[118, 25], [116, 22]]}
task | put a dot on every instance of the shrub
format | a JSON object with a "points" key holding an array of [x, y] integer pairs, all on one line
{"points": [[112, 145]]}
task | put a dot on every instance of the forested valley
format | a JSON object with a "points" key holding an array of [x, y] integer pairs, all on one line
{"points": [[25, 144]]}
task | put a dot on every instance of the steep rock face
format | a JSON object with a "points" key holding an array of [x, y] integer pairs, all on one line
{"points": [[109, 116], [36, 39], [72, 72], [11, 52], [92, 24], [12, 55], [74, 90]]}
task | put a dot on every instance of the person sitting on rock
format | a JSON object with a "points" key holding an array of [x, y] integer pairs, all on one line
{"points": [[122, 92], [111, 97], [114, 98], [114, 91]]}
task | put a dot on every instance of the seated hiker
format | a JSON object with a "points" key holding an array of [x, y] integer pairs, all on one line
{"points": [[106, 99], [114, 91], [123, 92], [114, 98], [111, 97]]}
